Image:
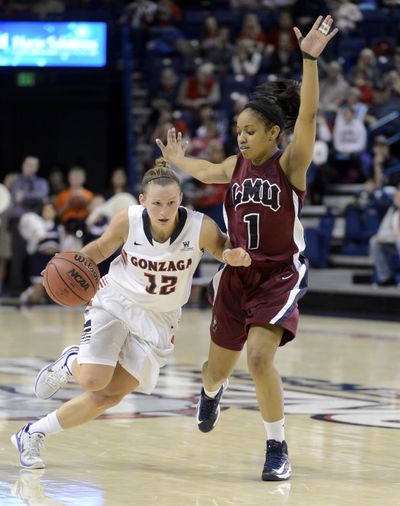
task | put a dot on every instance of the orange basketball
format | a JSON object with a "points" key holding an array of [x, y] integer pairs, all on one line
{"points": [[71, 278]]}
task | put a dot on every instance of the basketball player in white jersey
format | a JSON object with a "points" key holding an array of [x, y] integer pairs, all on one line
{"points": [[129, 326]]}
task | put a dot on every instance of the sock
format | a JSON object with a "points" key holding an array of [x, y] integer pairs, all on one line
{"points": [[211, 393], [47, 425], [275, 430], [68, 362]]}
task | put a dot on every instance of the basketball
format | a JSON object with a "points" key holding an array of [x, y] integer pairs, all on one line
{"points": [[71, 278]]}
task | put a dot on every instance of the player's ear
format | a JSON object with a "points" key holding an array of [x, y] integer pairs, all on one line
{"points": [[142, 199], [180, 198]]}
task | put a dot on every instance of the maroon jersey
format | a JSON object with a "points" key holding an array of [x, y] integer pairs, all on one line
{"points": [[263, 209]]}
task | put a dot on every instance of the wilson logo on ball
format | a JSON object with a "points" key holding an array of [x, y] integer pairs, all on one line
{"points": [[79, 279], [87, 263]]}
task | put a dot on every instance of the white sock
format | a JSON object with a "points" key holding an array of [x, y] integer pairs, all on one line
{"points": [[275, 430], [69, 362], [47, 425], [211, 393]]}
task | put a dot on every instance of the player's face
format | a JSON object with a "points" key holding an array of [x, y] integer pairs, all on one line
{"points": [[162, 203], [255, 142]]}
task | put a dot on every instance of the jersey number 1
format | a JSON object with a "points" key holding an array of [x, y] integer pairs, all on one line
{"points": [[168, 284], [253, 230]]}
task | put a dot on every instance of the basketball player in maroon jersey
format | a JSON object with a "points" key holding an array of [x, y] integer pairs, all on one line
{"points": [[267, 189]]}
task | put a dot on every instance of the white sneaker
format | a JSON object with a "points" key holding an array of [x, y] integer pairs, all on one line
{"points": [[29, 446], [55, 375]]}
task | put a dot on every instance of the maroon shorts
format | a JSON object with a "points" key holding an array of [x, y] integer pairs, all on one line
{"points": [[247, 295]]}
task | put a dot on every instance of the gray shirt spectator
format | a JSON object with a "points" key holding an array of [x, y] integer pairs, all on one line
{"points": [[28, 191]]}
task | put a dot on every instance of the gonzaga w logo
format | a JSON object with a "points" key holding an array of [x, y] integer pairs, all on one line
{"points": [[260, 191]]}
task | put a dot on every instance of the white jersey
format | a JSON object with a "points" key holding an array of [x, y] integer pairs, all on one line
{"points": [[157, 276]]}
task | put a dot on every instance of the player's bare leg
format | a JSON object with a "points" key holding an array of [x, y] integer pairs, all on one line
{"points": [[85, 407], [262, 343], [216, 371]]}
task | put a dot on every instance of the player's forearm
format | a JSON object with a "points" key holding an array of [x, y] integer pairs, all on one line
{"points": [[96, 251], [199, 169], [309, 93]]}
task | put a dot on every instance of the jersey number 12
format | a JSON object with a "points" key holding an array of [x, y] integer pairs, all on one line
{"points": [[168, 284]]}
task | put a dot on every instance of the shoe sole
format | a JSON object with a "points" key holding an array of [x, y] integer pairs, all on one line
{"points": [[274, 477], [14, 441], [45, 369]]}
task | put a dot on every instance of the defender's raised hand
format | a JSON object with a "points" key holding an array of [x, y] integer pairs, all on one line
{"points": [[317, 38], [175, 147]]}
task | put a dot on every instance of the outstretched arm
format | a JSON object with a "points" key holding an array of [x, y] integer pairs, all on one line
{"points": [[298, 154], [207, 172]]}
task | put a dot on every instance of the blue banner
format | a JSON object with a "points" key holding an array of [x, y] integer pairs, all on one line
{"points": [[53, 44]]}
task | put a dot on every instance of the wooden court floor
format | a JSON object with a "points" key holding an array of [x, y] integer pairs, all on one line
{"points": [[342, 395]]}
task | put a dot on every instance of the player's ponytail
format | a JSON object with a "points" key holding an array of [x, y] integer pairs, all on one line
{"points": [[278, 103]]}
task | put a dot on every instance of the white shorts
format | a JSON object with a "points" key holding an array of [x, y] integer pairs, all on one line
{"points": [[117, 330]]}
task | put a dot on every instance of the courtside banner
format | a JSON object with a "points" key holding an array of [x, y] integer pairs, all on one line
{"points": [[53, 44]]}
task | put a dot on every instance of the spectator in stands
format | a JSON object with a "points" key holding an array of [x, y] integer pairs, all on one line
{"points": [[284, 24], [166, 90], [5, 236], [42, 235], [140, 13], [56, 183], [383, 106], [366, 66], [168, 13], [28, 193], [349, 142], [346, 14], [208, 132], [384, 168], [246, 60], [199, 89], [365, 87], [210, 33], [284, 61], [333, 88], [386, 244], [353, 100], [392, 82], [208, 198], [318, 174], [118, 183], [218, 50], [251, 30], [72, 206]]}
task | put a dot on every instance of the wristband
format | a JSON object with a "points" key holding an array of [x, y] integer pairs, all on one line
{"points": [[223, 254], [307, 56]]}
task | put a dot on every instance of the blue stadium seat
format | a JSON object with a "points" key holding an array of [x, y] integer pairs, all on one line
{"points": [[361, 223], [318, 241]]}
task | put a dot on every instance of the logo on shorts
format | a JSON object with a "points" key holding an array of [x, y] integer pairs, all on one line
{"points": [[214, 324], [186, 246]]}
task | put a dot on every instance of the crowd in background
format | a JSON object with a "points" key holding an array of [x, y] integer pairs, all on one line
{"points": [[200, 68]]}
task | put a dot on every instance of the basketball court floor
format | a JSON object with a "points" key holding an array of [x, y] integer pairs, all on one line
{"points": [[342, 384]]}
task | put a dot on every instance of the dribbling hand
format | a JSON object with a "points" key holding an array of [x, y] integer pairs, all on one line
{"points": [[317, 38], [237, 257], [175, 147]]}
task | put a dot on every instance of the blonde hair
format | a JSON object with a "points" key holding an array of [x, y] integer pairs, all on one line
{"points": [[161, 173]]}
